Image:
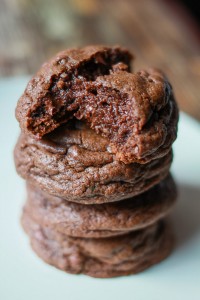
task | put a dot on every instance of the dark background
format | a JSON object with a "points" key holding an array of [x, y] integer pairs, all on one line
{"points": [[161, 33], [194, 9]]}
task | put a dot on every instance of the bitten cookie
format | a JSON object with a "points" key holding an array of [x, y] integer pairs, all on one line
{"points": [[74, 163], [135, 111], [108, 257], [103, 220]]}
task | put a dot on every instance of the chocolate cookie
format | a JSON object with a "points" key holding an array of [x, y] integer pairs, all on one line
{"points": [[135, 111], [74, 163], [103, 220], [108, 257]]}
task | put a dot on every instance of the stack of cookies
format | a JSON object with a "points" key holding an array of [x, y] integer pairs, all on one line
{"points": [[95, 150]]}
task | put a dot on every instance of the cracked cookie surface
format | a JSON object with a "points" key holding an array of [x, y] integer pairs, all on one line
{"points": [[135, 111], [74, 163], [103, 220]]}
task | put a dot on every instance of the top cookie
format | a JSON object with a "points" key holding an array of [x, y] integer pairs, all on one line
{"points": [[135, 111]]}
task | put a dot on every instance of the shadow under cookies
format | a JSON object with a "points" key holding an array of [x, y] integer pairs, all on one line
{"points": [[186, 215]]}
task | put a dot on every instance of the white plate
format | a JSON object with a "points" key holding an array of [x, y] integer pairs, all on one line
{"points": [[24, 276]]}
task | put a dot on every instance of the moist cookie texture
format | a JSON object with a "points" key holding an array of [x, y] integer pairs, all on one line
{"points": [[136, 112], [103, 220], [95, 150], [73, 162], [108, 257]]}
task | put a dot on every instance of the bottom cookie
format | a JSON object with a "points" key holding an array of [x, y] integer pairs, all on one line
{"points": [[103, 257]]}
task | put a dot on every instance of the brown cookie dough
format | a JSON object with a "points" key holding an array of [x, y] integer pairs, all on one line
{"points": [[135, 111], [74, 163], [103, 220], [108, 257]]}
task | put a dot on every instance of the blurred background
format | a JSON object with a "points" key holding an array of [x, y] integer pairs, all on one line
{"points": [[160, 33]]}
